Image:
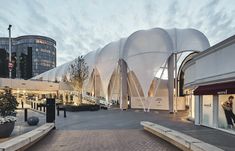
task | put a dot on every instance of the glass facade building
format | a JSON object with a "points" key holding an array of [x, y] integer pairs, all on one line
{"points": [[31, 55]]}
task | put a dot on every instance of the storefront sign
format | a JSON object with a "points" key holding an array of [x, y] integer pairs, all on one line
{"points": [[222, 92], [216, 89], [207, 105]]}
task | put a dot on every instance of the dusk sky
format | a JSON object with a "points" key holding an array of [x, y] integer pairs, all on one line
{"points": [[80, 26]]}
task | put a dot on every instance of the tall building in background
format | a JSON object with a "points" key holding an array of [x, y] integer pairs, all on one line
{"points": [[31, 55]]}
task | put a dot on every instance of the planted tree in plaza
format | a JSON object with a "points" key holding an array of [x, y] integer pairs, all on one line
{"points": [[8, 103], [78, 73]]}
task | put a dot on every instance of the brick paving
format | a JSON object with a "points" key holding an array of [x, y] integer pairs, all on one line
{"points": [[121, 130], [112, 130], [102, 140]]}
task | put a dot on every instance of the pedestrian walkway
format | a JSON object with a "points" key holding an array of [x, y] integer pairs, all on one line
{"points": [[121, 130], [212, 136], [102, 140]]}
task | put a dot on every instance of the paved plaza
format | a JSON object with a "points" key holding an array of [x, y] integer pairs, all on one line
{"points": [[121, 130], [102, 140], [103, 130]]}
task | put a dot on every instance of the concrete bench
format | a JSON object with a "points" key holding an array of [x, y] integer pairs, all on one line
{"points": [[180, 140], [25, 140]]}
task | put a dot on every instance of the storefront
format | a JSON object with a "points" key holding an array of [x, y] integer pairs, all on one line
{"points": [[208, 82], [211, 100]]}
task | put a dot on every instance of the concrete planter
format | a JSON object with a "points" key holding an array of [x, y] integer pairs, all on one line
{"points": [[6, 129]]}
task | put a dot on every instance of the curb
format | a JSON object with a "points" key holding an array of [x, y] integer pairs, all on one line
{"points": [[26, 140], [180, 140]]}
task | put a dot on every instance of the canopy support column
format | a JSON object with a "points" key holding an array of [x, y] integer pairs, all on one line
{"points": [[97, 85], [171, 61], [123, 85]]}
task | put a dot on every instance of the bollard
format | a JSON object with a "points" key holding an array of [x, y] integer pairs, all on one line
{"points": [[64, 112], [50, 111], [40, 107], [31, 104], [25, 114], [58, 110], [22, 104], [44, 108]]}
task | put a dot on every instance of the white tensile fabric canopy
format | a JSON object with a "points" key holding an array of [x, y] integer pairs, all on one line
{"points": [[106, 63], [90, 61], [144, 51]]}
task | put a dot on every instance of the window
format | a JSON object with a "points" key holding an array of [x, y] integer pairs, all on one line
{"points": [[207, 110], [223, 122]]}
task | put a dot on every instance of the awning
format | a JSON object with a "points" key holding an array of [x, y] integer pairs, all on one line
{"points": [[216, 89]]}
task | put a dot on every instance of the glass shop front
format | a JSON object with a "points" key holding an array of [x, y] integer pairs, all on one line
{"points": [[217, 105]]}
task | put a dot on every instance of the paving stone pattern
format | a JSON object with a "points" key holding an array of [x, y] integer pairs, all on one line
{"points": [[112, 130], [121, 130], [102, 140]]}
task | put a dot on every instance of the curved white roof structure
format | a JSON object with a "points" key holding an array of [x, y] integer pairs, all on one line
{"points": [[144, 52], [107, 60]]}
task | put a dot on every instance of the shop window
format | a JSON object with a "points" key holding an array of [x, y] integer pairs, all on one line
{"points": [[207, 110], [223, 122]]}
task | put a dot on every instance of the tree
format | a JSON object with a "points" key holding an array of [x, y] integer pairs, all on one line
{"points": [[8, 103], [78, 73]]}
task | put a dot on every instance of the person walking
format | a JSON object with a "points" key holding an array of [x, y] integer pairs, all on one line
{"points": [[228, 110]]}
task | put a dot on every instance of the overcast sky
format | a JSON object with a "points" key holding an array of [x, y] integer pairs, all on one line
{"points": [[80, 26]]}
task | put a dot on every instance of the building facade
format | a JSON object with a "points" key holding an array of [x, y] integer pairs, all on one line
{"points": [[209, 82], [31, 55]]}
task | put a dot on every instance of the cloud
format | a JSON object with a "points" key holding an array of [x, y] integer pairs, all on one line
{"points": [[83, 26]]}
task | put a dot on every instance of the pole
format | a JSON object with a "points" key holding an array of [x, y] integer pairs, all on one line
{"points": [[25, 114], [176, 83], [9, 28], [65, 112]]}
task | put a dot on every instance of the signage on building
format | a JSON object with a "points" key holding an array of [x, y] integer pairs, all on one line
{"points": [[222, 92], [207, 105], [160, 103], [216, 89]]}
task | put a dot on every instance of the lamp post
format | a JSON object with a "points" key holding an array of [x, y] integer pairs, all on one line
{"points": [[10, 64]]}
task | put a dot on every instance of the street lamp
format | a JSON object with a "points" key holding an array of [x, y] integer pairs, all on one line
{"points": [[10, 64]]}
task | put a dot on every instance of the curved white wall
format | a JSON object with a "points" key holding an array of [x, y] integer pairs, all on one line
{"points": [[214, 65]]}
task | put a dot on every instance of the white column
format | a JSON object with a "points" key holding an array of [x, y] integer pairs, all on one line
{"points": [[123, 85], [171, 83], [197, 110], [96, 84], [176, 83], [215, 105]]}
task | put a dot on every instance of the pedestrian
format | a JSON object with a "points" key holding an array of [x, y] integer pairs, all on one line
{"points": [[228, 110]]}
